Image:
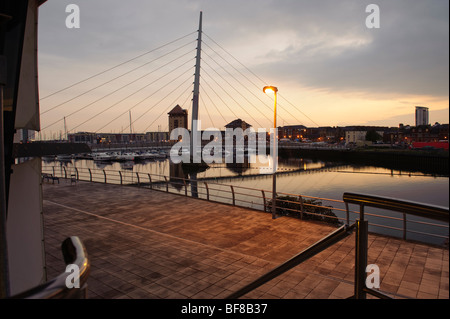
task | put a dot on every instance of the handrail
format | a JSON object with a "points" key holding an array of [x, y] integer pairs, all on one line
{"points": [[74, 253], [409, 207], [361, 239], [331, 239], [244, 197]]}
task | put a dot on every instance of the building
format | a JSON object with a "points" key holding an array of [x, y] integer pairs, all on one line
{"points": [[421, 116], [357, 135], [292, 132], [238, 123], [178, 117]]}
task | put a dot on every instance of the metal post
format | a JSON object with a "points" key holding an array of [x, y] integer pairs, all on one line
{"points": [[139, 181], [264, 200], [207, 191], [150, 180], [167, 184], [404, 226], [302, 209], [232, 192], [120, 174], [361, 247], [104, 173]]}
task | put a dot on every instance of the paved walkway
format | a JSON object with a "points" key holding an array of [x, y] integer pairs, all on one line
{"points": [[150, 244]]}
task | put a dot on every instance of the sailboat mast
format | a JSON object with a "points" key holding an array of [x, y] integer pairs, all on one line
{"points": [[131, 130], [65, 130], [194, 128]]}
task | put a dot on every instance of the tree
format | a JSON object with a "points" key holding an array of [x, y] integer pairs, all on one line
{"points": [[373, 136]]}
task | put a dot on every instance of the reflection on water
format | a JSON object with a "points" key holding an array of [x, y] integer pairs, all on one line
{"points": [[298, 176]]}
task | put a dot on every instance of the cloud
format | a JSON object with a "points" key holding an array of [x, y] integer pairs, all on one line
{"points": [[315, 45]]}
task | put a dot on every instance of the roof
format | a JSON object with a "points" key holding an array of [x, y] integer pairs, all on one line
{"points": [[177, 110], [237, 123]]}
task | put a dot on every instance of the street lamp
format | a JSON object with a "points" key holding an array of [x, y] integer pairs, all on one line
{"points": [[274, 153]]}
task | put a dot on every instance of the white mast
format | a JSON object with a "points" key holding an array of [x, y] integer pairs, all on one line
{"points": [[195, 98]]}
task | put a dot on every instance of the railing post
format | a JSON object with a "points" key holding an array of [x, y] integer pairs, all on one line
{"points": [[185, 187], [167, 184], [139, 181], [361, 247], [264, 200], [150, 180], [207, 191], [300, 198], [348, 213], [232, 192], [90, 175], [104, 173], [404, 226], [120, 174]]}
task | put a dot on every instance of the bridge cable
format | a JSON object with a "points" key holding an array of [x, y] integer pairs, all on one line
{"points": [[262, 81], [115, 78], [128, 96], [206, 82], [234, 87], [170, 105], [116, 66], [230, 95], [89, 104], [156, 91]]}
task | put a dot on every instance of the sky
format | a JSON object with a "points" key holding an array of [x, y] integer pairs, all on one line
{"points": [[329, 67]]}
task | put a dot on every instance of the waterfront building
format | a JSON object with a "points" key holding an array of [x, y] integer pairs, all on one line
{"points": [[357, 136], [178, 117]]}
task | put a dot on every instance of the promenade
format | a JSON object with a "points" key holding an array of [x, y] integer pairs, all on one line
{"points": [[150, 244]]}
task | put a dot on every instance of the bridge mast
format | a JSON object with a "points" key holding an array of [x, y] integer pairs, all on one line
{"points": [[194, 127]]}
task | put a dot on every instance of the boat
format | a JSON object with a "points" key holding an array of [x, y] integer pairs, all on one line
{"points": [[101, 157], [64, 157], [127, 156]]}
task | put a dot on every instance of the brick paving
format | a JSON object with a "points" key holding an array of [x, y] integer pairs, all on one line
{"points": [[148, 244]]}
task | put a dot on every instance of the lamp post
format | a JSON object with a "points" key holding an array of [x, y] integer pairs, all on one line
{"points": [[274, 150]]}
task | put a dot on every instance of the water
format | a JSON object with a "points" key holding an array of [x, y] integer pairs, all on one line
{"points": [[307, 178]]}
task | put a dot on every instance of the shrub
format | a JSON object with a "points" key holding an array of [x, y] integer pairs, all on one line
{"points": [[312, 209]]}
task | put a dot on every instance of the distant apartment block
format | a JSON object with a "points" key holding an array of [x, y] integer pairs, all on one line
{"points": [[422, 116]]}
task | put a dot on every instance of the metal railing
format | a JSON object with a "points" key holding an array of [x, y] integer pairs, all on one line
{"points": [[293, 204], [361, 238], [361, 227], [336, 236], [74, 253], [333, 211]]}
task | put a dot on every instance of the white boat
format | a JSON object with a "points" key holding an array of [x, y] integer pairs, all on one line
{"points": [[64, 157], [101, 157], [125, 156]]}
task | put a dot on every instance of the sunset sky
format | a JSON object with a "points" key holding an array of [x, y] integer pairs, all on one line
{"points": [[329, 67]]}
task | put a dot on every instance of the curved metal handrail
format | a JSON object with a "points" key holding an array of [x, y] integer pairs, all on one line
{"points": [[409, 207], [74, 253]]}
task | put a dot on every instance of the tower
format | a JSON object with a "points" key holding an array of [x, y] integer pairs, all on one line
{"points": [[422, 116], [178, 117]]}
